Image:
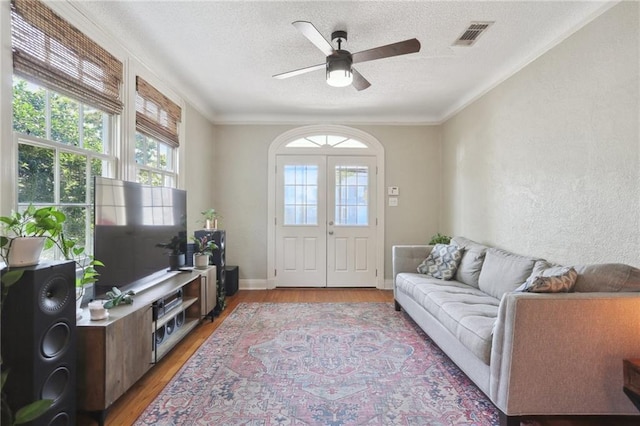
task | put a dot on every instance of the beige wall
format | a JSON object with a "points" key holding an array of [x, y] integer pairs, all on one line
{"points": [[548, 163], [241, 154], [198, 166]]}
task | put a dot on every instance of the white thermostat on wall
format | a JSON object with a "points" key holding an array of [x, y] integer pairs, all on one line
{"points": [[393, 190]]}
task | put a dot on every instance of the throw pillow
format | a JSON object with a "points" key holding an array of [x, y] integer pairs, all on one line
{"points": [[564, 282], [442, 262]]}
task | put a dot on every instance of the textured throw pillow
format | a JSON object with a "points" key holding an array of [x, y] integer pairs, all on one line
{"points": [[562, 282], [442, 262]]}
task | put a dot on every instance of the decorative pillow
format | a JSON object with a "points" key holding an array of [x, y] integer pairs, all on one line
{"points": [[442, 262], [562, 282]]}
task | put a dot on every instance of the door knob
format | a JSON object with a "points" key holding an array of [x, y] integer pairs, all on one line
{"points": [[331, 223], [330, 232]]}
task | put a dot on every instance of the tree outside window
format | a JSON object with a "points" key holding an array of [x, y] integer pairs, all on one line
{"points": [[62, 144], [154, 161]]}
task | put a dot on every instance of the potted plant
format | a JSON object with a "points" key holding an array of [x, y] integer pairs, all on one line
{"points": [[439, 239], [174, 250], [24, 235], [70, 250], [211, 219], [203, 248]]}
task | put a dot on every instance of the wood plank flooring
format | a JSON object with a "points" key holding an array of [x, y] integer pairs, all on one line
{"points": [[127, 409]]}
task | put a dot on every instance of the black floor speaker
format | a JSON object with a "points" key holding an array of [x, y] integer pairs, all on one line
{"points": [[231, 280], [39, 341]]}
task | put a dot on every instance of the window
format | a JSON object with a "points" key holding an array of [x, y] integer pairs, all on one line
{"points": [[157, 138], [66, 93], [155, 161], [326, 141], [352, 195], [300, 195], [62, 144]]}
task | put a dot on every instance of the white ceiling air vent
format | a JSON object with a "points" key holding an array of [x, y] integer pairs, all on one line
{"points": [[472, 33]]}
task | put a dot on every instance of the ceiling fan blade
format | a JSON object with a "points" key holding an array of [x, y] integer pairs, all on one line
{"points": [[310, 32], [300, 71], [394, 49], [359, 82]]}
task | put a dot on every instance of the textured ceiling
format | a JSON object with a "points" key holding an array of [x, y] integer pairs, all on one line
{"points": [[221, 55]]}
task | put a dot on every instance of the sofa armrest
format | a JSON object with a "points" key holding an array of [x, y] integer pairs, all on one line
{"points": [[562, 353], [407, 258]]}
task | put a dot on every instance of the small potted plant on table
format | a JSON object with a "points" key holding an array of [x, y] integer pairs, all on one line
{"points": [[203, 248], [174, 250]]}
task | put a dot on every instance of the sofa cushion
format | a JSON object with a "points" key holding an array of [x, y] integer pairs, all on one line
{"points": [[611, 277], [551, 280], [442, 262], [467, 312], [472, 259], [503, 272], [469, 317]]}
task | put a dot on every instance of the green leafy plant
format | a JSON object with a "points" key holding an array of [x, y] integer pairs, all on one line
{"points": [[203, 245], [439, 239], [211, 214], [173, 246], [32, 222], [47, 222], [117, 297]]}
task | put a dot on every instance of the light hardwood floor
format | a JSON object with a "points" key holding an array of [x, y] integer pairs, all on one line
{"points": [[127, 409]]}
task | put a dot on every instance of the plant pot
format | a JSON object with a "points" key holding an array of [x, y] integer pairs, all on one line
{"points": [[200, 261], [25, 251], [210, 224], [176, 261]]}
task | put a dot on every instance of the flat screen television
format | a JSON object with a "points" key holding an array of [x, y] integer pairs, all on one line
{"points": [[130, 220]]}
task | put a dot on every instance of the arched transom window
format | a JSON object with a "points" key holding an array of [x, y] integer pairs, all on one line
{"points": [[326, 141]]}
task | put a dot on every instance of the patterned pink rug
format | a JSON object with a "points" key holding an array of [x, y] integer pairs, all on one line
{"points": [[319, 364]]}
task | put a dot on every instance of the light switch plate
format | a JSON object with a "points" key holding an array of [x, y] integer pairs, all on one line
{"points": [[393, 190], [393, 201]]}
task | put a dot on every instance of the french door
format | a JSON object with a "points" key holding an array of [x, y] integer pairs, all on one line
{"points": [[325, 221]]}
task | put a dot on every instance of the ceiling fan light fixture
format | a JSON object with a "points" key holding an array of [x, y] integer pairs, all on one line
{"points": [[339, 69]]}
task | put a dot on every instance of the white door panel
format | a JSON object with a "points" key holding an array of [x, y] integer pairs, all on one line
{"points": [[300, 223], [351, 230]]}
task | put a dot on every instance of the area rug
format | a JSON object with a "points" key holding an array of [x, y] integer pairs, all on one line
{"points": [[319, 364]]}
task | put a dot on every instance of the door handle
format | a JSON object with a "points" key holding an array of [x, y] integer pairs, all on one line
{"points": [[331, 223], [330, 232]]}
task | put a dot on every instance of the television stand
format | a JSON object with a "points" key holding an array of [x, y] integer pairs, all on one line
{"points": [[114, 353]]}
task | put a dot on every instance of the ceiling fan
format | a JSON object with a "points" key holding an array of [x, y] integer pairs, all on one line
{"points": [[339, 62]]}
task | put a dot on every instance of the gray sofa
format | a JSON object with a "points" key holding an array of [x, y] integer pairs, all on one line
{"points": [[532, 354]]}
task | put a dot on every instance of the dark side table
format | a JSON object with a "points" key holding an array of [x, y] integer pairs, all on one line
{"points": [[631, 369]]}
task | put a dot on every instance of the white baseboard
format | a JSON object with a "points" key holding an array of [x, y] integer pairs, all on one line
{"points": [[260, 284], [252, 284]]}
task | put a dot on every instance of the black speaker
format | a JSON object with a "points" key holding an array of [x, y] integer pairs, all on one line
{"points": [[219, 259], [189, 254], [39, 341], [231, 280]]}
